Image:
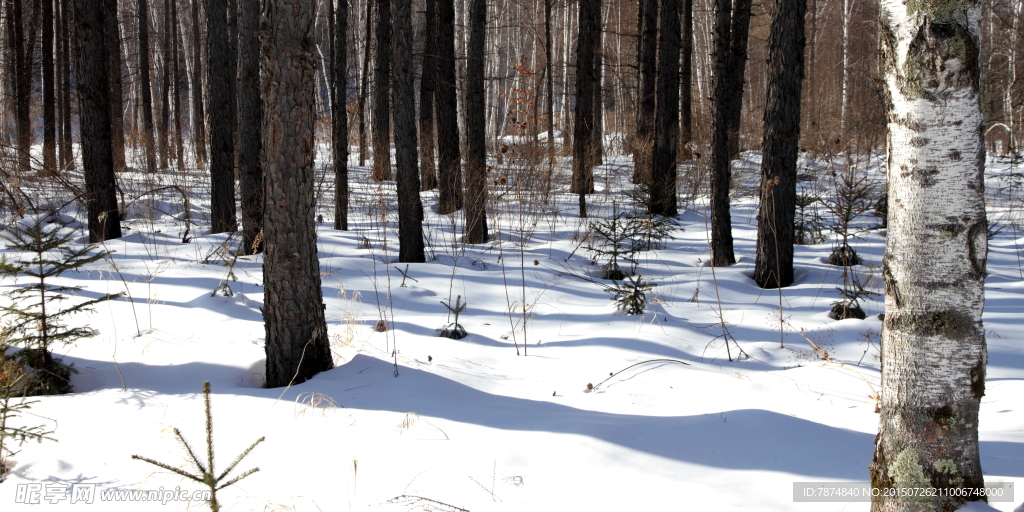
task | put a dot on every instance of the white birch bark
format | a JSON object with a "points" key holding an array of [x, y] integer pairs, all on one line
{"points": [[933, 346]]}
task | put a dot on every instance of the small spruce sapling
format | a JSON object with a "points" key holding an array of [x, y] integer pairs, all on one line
{"points": [[848, 306], [630, 295], [36, 320], [11, 377], [455, 330], [616, 245], [204, 473]]}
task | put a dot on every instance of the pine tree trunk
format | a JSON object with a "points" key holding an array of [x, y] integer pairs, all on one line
{"points": [[165, 91], [146, 87], [176, 58], [198, 110], [449, 158], [428, 87], [410, 208], [933, 345], [113, 38], [94, 110], [721, 173], [647, 46], [583, 151], [49, 96], [737, 71], [476, 150], [250, 120], [297, 345], [381, 92], [666, 122], [773, 266], [22, 86], [597, 133], [686, 83], [364, 84], [339, 116], [549, 92], [222, 151], [67, 157]]}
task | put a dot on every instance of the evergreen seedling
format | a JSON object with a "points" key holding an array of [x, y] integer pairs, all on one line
{"points": [[615, 245], [10, 379], [848, 306], [37, 320], [630, 295], [455, 330], [204, 473]]}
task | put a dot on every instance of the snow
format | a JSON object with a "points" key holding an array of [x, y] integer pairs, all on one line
{"points": [[469, 424]]}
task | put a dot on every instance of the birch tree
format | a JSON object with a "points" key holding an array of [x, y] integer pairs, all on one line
{"points": [[933, 346]]}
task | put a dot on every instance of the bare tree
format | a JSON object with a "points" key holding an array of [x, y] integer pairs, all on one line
{"points": [[410, 208], [94, 109], [49, 92], [297, 346], [428, 87], [583, 151], [933, 345], [198, 110], [339, 115], [666, 123], [250, 121], [449, 169], [146, 87], [381, 93], [476, 150], [647, 47], [773, 266], [112, 31], [222, 151]]}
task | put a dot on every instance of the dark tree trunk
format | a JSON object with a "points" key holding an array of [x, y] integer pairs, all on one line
{"points": [[198, 109], [339, 116], [222, 151], [146, 87], [449, 168], [364, 85], [22, 86], [476, 150], [686, 83], [549, 91], [582, 148], [773, 267], [721, 174], [410, 209], [428, 85], [250, 120], [165, 91], [381, 93], [49, 96], [737, 69], [597, 135], [297, 345], [176, 58], [666, 123], [643, 142], [67, 157], [94, 111], [113, 35], [232, 72]]}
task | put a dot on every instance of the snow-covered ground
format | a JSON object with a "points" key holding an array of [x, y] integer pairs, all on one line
{"points": [[503, 419]]}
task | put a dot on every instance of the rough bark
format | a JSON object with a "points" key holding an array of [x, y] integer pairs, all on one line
{"points": [[738, 33], [666, 123], [773, 266], [164, 128], [339, 116], [297, 345], [364, 85], [428, 87], [643, 142], [381, 92], [549, 92], [113, 38], [222, 151], [410, 208], [67, 158], [686, 83], [597, 132], [449, 168], [721, 174], [94, 110], [583, 151], [250, 121], [198, 108], [146, 87], [179, 144], [933, 345], [476, 150], [49, 93], [22, 86]]}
